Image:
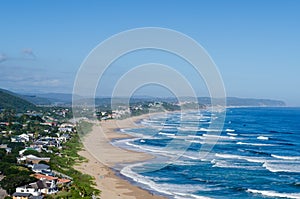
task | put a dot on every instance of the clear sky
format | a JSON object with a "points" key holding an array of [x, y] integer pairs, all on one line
{"points": [[255, 44]]}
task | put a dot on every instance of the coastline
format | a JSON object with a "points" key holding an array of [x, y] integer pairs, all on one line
{"points": [[101, 156]]}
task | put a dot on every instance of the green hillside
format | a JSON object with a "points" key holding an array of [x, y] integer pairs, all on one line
{"points": [[9, 100]]}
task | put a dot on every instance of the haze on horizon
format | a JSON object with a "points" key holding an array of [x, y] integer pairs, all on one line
{"points": [[255, 44]]}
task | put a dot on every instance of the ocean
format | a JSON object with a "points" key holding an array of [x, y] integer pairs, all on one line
{"points": [[257, 154]]}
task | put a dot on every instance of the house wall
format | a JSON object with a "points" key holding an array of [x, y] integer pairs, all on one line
{"points": [[32, 191], [15, 197]]}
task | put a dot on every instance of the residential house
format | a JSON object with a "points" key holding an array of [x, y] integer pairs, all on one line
{"points": [[20, 195], [31, 159], [39, 168], [20, 138], [38, 188], [45, 177]]}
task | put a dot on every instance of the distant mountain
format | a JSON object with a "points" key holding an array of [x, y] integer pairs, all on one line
{"points": [[235, 101], [49, 98], [10, 100], [203, 101], [66, 99]]}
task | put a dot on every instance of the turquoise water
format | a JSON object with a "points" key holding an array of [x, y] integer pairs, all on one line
{"points": [[257, 154]]}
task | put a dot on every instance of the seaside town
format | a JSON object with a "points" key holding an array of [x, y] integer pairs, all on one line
{"points": [[39, 147], [40, 144], [37, 152]]}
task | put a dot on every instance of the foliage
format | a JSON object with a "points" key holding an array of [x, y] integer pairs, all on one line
{"points": [[11, 101], [32, 152], [84, 128], [2, 153], [82, 186], [10, 158], [10, 182]]}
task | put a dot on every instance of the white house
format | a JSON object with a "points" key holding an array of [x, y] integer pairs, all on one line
{"points": [[39, 187]]}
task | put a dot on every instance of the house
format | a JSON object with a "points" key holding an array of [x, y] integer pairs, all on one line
{"points": [[32, 159], [38, 188], [21, 138], [64, 137], [45, 177], [47, 141], [39, 168], [65, 129], [20, 195]]}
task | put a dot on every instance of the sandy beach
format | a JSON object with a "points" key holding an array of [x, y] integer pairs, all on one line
{"points": [[101, 156]]}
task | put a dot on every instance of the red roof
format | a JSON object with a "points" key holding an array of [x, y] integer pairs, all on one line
{"points": [[41, 176], [59, 180]]}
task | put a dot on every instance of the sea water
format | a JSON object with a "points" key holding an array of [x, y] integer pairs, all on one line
{"points": [[257, 154]]}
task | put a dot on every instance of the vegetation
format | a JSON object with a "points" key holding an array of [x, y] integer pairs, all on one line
{"points": [[84, 128], [11, 101], [15, 176], [82, 185]]}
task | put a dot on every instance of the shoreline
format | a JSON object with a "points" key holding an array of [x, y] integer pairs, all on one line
{"points": [[102, 156]]}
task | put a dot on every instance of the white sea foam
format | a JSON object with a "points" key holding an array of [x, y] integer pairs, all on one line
{"points": [[185, 196], [262, 138], [195, 136], [228, 156], [167, 134], [127, 171], [247, 158], [230, 130], [196, 141], [232, 134], [209, 136], [168, 189], [283, 166], [224, 164], [188, 128], [254, 144], [270, 193], [124, 130], [286, 157], [195, 128]]}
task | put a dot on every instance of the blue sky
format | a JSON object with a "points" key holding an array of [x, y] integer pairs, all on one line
{"points": [[255, 44]]}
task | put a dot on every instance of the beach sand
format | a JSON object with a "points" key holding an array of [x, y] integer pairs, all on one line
{"points": [[101, 156]]}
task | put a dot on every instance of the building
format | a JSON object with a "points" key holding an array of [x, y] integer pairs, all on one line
{"points": [[38, 188], [21, 195], [32, 159], [39, 168]]}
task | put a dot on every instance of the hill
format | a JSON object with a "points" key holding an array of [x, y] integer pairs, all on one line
{"points": [[10, 100]]}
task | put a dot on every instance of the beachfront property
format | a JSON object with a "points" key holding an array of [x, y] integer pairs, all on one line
{"points": [[38, 188], [66, 127]]}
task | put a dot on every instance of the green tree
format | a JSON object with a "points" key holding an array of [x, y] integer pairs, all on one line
{"points": [[32, 152], [10, 182]]}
